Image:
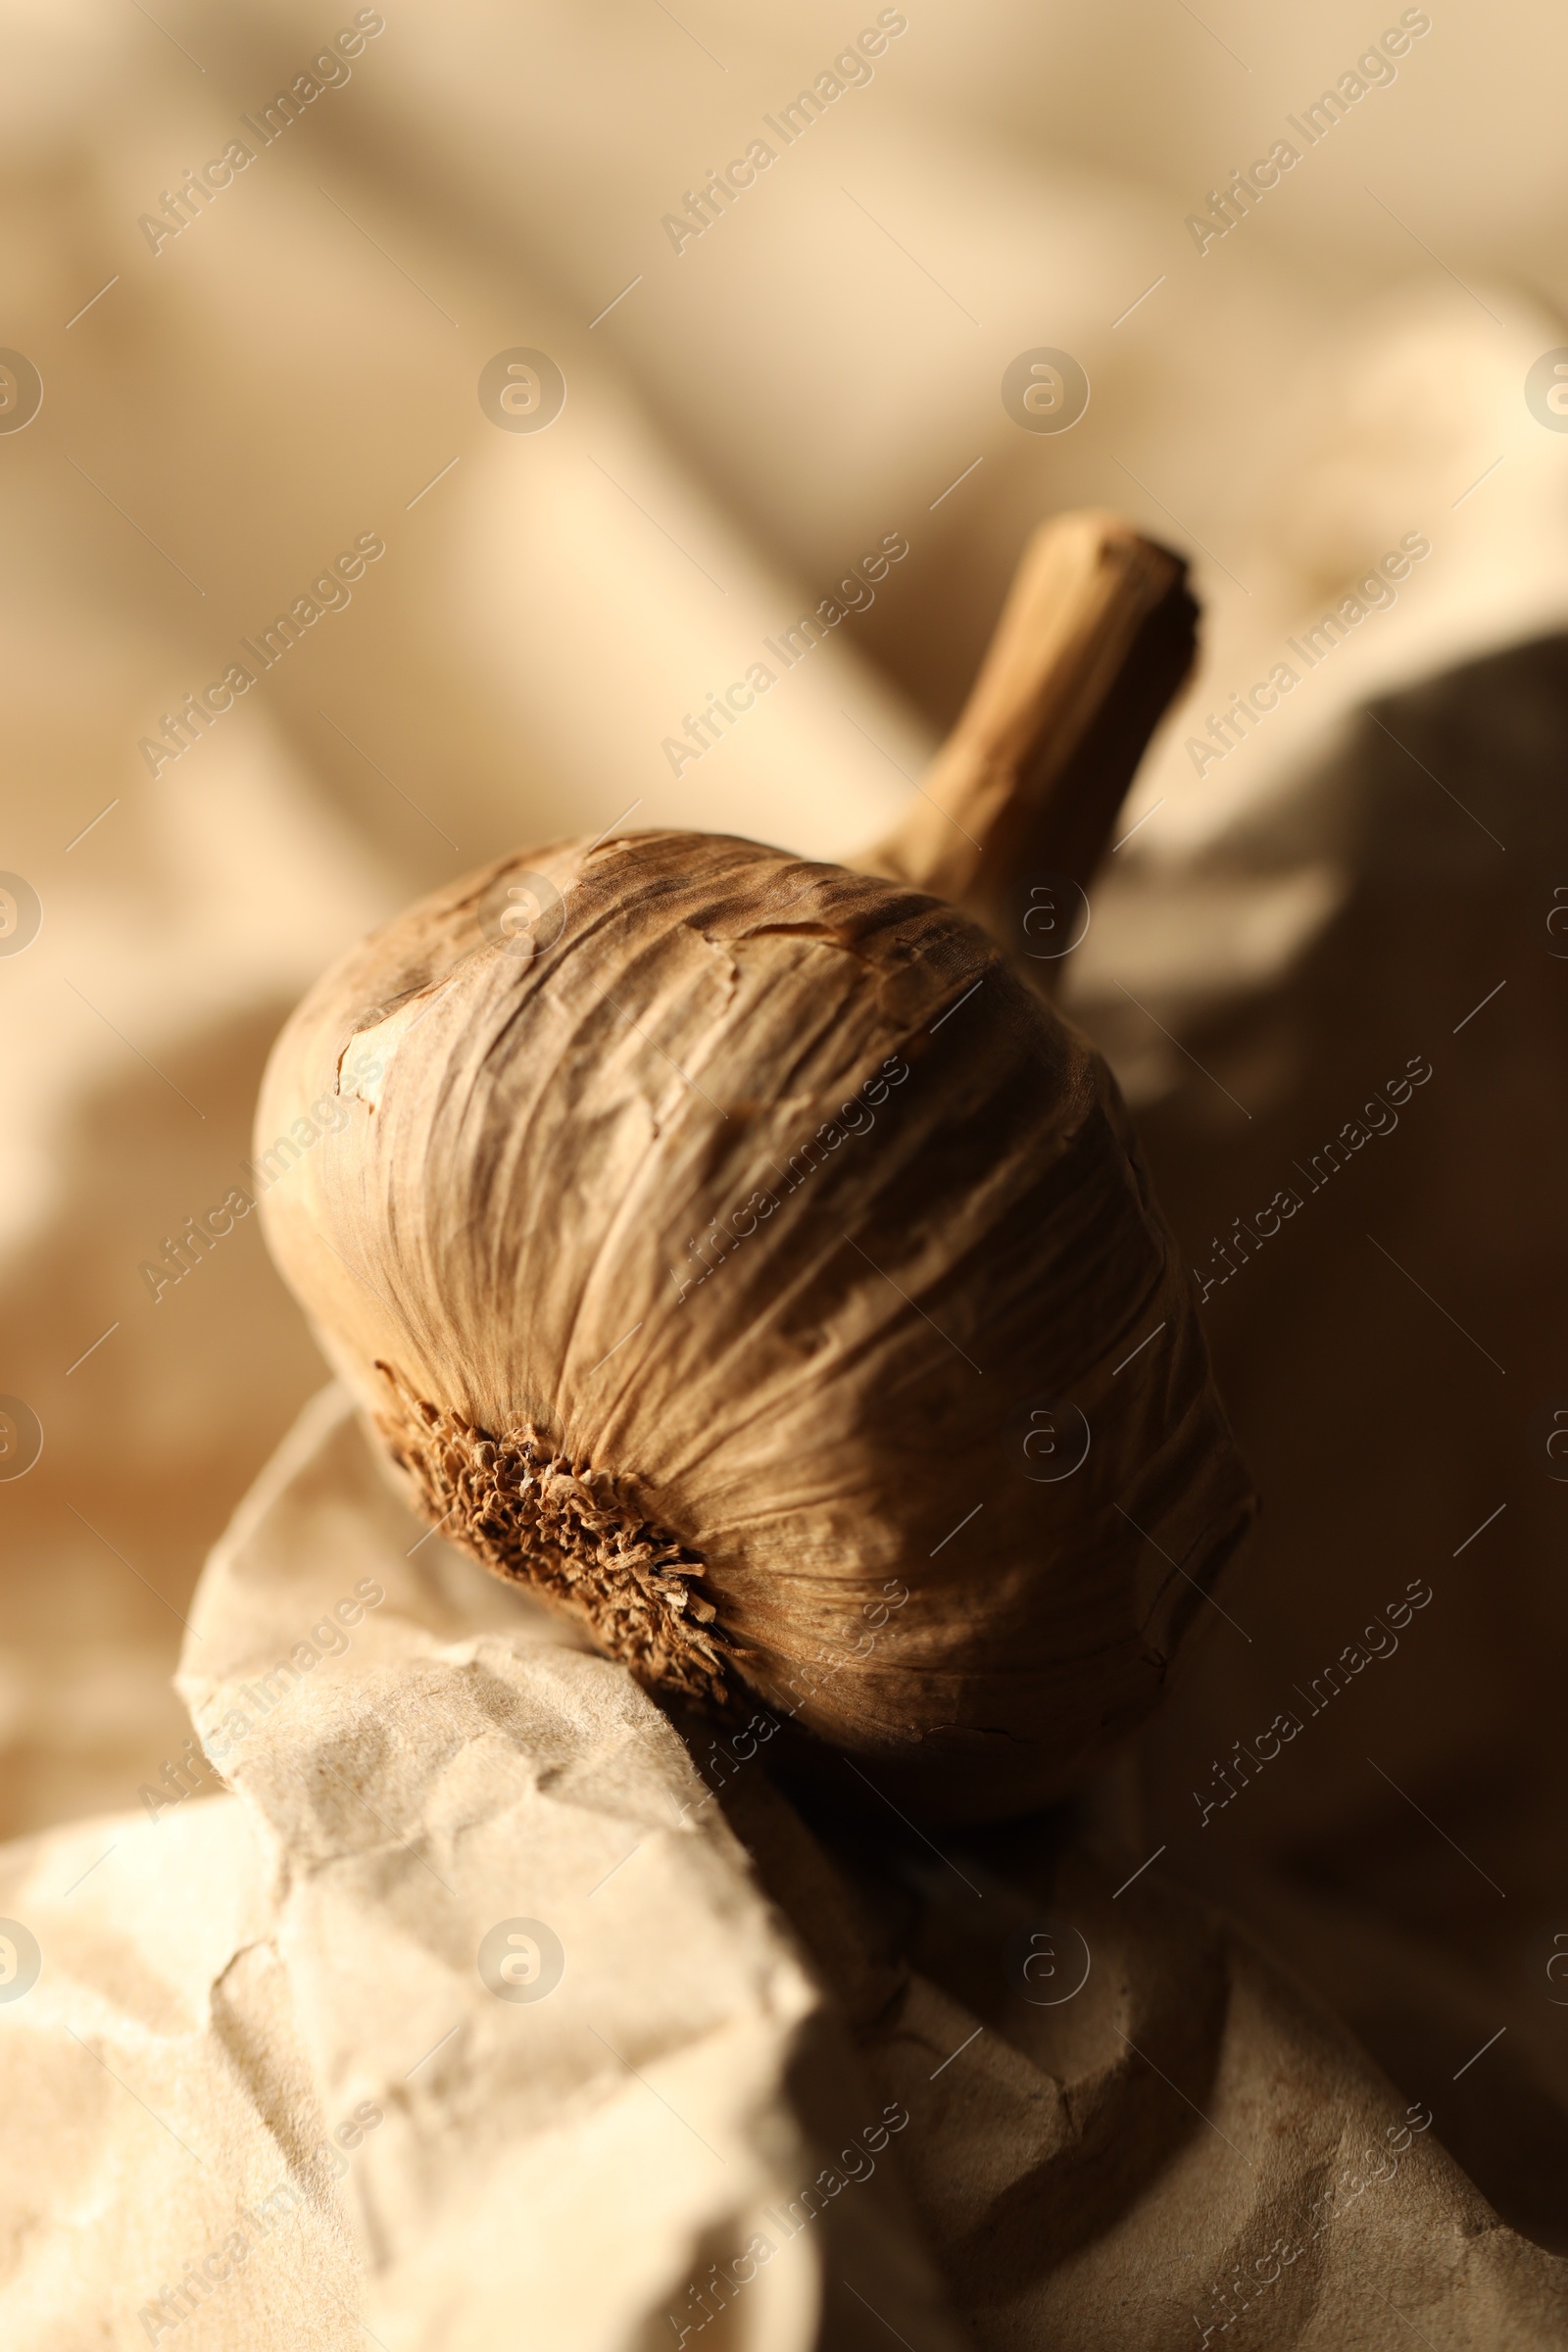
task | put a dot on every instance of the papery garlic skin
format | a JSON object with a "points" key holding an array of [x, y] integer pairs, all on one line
{"points": [[756, 1217]]}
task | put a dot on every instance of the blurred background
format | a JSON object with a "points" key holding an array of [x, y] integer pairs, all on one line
{"points": [[211, 387]]}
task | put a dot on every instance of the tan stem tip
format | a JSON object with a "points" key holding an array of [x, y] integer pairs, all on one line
{"points": [[1097, 633]]}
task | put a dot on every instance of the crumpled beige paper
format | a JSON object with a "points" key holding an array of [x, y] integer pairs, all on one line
{"points": [[284, 2080], [261, 2088]]}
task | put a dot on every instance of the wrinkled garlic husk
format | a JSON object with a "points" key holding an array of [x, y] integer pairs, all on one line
{"points": [[735, 1249]]}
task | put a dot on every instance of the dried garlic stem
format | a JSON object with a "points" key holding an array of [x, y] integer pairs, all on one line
{"points": [[1093, 641]]}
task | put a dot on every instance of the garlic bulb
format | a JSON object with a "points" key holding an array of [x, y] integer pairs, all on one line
{"points": [[737, 1250], [760, 1249]]}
